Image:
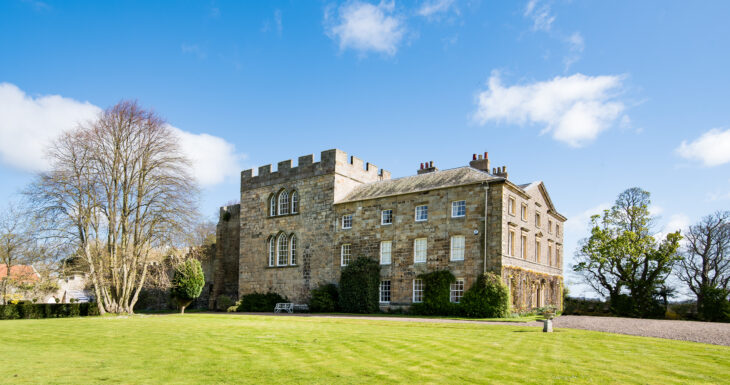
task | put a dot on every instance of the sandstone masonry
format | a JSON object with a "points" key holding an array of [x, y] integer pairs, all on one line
{"points": [[296, 228]]}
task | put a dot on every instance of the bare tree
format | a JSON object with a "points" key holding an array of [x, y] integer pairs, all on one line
{"points": [[119, 188], [706, 262], [16, 247]]}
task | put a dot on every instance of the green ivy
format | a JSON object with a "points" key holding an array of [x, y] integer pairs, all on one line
{"points": [[487, 298], [359, 284], [436, 289]]}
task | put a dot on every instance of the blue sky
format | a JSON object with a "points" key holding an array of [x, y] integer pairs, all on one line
{"points": [[590, 97]]}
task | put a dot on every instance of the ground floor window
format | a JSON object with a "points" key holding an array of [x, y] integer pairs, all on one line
{"points": [[384, 291], [457, 291], [345, 254], [417, 290]]}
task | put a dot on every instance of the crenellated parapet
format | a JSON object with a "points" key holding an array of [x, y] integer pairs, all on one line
{"points": [[331, 162]]}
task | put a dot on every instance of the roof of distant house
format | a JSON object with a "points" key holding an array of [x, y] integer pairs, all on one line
{"points": [[24, 273]]}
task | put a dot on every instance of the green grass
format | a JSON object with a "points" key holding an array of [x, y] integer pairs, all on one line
{"points": [[226, 348]]}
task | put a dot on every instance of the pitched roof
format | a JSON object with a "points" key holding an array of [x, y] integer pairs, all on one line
{"points": [[411, 184], [19, 272]]}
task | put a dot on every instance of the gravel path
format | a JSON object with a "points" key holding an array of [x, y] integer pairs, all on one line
{"points": [[705, 332]]}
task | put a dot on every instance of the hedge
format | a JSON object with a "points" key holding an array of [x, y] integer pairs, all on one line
{"points": [[436, 293], [27, 310], [487, 298], [259, 302], [324, 299]]}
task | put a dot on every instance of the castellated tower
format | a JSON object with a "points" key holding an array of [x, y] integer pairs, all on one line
{"points": [[292, 209]]}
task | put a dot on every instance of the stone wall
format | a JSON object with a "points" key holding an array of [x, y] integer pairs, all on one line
{"points": [[529, 289], [227, 253]]}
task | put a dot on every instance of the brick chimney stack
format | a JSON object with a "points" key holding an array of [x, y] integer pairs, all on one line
{"points": [[479, 162], [427, 167]]}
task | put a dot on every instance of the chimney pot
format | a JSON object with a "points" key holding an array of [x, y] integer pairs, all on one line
{"points": [[486, 155], [474, 157], [421, 166], [480, 157], [430, 164]]}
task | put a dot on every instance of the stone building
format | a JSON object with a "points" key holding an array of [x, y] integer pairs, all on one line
{"points": [[297, 227]]}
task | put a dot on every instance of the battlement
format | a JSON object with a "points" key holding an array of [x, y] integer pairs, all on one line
{"points": [[331, 162]]}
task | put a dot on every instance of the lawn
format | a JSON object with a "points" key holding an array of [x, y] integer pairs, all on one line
{"points": [[226, 348]]}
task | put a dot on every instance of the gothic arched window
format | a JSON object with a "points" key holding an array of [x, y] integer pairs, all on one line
{"points": [[294, 202], [283, 203], [293, 250], [283, 249], [272, 205], [272, 250]]}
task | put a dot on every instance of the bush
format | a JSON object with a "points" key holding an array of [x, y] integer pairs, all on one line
{"points": [[259, 302], [324, 299], [714, 306], [359, 283], [436, 292], [28, 310], [487, 298], [223, 302], [187, 283]]}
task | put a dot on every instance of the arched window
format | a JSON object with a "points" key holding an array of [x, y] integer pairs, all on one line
{"points": [[293, 250], [272, 205], [283, 248], [283, 203], [294, 202], [272, 250]]}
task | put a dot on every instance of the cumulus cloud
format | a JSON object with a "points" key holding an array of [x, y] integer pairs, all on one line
{"points": [[434, 7], [365, 27], [29, 124], [575, 109], [540, 14], [712, 148]]}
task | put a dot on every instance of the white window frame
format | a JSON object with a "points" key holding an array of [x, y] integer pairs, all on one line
{"points": [[348, 247], [417, 290], [416, 249], [272, 251], [456, 206], [294, 208], [382, 217], [282, 250], [458, 251], [511, 202], [272, 206], [538, 219], [283, 203], [524, 212], [381, 292], [293, 250], [456, 291], [384, 252], [424, 210], [523, 246], [346, 219]]}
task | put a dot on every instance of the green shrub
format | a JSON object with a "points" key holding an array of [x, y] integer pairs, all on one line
{"points": [[359, 284], [436, 292], [714, 306], [187, 283], [9, 312], [487, 298], [259, 302], [324, 299], [223, 302]]}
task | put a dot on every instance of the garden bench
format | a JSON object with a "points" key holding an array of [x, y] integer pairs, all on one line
{"points": [[284, 306]]}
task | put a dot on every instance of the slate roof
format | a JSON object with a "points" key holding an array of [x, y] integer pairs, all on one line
{"points": [[411, 184]]}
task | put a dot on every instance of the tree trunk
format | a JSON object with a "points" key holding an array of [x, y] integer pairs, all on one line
{"points": [[182, 309]]}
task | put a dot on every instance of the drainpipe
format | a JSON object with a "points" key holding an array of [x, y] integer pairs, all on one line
{"points": [[486, 205]]}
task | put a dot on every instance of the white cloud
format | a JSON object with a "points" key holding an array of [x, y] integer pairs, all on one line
{"points": [[433, 7], [580, 223], [29, 124], [366, 27], [676, 222], [575, 109], [540, 14], [576, 45], [712, 148]]}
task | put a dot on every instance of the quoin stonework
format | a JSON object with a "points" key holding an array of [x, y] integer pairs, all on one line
{"points": [[297, 227]]}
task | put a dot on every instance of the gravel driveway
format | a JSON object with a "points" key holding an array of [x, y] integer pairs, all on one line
{"points": [[706, 332]]}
